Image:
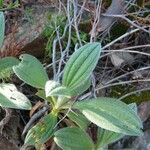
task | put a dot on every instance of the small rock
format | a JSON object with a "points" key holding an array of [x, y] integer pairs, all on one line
{"points": [[144, 110]]}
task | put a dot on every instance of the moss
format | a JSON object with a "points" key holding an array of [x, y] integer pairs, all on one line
{"points": [[121, 28], [119, 91], [138, 98]]}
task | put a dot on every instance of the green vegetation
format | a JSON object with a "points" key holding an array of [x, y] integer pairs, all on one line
{"points": [[10, 5], [70, 94], [122, 120]]}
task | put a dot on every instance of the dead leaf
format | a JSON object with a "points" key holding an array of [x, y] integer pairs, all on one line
{"points": [[118, 59], [37, 106], [116, 8]]}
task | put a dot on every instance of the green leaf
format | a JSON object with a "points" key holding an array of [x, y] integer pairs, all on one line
{"points": [[80, 88], [133, 106], [61, 102], [81, 64], [41, 94], [79, 119], [73, 139], [111, 114], [105, 137], [6, 65], [53, 88], [31, 71], [1, 3], [42, 131], [10, 97], [50, 86], [2, 28]]}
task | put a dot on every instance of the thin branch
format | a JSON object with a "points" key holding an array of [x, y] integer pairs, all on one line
{"points": [[123, 75], [134, 92], [36, 116], [96, 21], [120, 38], [75, 22], [69, 109], [54, 58], [81, 11], [121, 50], [137, 46], [128, 20], [123, 82], [114, 84], [63, 53]]}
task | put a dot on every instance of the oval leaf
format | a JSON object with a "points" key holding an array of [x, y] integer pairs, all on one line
{"points": [[73, 139], [42, 131], [2, 28], [105, 137], [111, 114], [6, 65], [31, 71], [10, 97], [81, 64]]}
